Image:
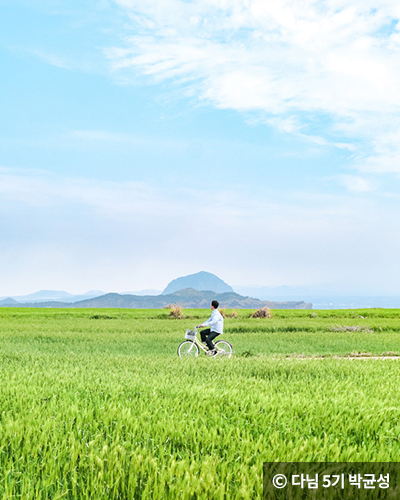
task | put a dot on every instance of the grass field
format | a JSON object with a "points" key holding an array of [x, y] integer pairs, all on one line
{"points": [[96, 403]]}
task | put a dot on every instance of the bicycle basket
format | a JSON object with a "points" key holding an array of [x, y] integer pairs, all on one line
{"points": [[190, 334]]}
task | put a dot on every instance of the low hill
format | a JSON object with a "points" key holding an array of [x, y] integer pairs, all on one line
{"points": [[8, 302], [188, 298], [198, 281]]}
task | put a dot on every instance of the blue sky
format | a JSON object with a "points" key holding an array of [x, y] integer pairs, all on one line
{"points": [[142, 141]]}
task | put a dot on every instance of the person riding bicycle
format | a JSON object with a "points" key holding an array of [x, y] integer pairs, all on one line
{"points": [[216, 324]]}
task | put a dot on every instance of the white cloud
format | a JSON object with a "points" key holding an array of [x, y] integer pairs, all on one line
{"points": [[329, 70], [110, 199], [357, 184], [79, 234], [52, 59], [96, 137], [59, 59]]}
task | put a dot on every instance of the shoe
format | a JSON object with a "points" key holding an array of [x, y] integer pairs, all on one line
{"points": [[214, 353], [209, 353]]}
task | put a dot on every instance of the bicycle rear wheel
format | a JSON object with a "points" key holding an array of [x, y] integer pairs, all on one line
{"points": [[224, 348], [188, 349]]}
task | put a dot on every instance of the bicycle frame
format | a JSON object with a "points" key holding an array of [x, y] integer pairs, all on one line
{"points": [[203, 347], [200, 344]]}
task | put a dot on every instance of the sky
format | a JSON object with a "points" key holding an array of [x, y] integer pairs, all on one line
{"points": [[143, 141]]}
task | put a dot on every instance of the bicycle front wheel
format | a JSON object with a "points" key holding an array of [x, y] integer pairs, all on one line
{"points": [[188, 349], [224, 348]]}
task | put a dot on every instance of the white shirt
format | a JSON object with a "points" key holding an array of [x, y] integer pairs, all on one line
{"points": [[215, 322]]}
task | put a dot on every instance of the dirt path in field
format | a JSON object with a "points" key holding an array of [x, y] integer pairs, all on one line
{"points": [[366, 357], [361, 356]]}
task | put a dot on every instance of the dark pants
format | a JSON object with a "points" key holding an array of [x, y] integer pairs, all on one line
{"points": [[208, 336]]}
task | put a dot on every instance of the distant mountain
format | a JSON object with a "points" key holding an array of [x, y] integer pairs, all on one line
{"points": [[44, 295], [8, 302], [188, 298], [198, 281], [58, 295], [274, 293], [322, 297]]}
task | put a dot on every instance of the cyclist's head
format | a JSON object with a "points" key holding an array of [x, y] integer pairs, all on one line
{"points": [[215, 304]]}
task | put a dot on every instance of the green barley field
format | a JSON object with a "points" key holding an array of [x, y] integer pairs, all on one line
{"points": [[96, 404]]}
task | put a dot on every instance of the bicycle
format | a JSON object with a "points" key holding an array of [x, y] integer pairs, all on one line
{"points": [[190, 347]]}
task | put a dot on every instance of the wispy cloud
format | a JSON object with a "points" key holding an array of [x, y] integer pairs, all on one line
{"points": [[52, 59], [328, 70], [104, 136], [357, 184], [108, 199], [59, 58], [134, 230]]}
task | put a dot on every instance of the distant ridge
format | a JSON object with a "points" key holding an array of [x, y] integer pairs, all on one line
{"points": [[188, 298], [198, 281], [52, 295]]}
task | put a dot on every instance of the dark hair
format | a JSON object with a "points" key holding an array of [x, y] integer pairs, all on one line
{"points": [[215, 304]]}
